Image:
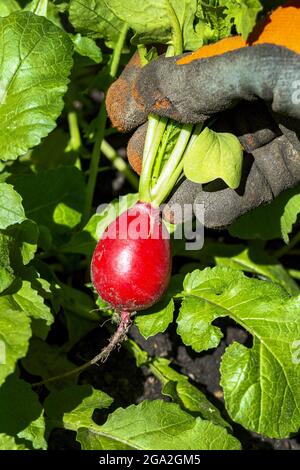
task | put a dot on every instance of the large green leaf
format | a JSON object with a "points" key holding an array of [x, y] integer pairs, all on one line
{"points": [[11, 209], [15, 332], [93, 18], [158, 20], [214, 155], [57, 199], [155, 425], [260, 383], [21, 413], [36, 58]]}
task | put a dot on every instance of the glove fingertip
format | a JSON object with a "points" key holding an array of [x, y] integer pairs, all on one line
{"points": [[135, 148]]}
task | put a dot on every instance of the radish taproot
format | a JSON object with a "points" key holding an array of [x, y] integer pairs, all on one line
{"points": [[131, 265]]}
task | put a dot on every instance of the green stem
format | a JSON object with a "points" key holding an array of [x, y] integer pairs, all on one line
{"points": [[156, 128], [120, 165], [75, 138], [91, 184], [172, 168]]}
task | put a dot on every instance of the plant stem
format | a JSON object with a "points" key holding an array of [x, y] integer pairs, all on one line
{"points": [[156, 127], [120, 165], [91, 184], [173, 168], [75, 138], [283, 251]]}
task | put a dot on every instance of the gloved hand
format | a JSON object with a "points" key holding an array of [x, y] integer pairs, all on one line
{"points": [[254, 91]]}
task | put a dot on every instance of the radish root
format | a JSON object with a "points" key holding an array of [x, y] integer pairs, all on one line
{"points": [[117, 338]]}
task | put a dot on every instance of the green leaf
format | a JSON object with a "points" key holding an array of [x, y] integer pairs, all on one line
{"points": [[53, 152], [155, 425], [213, 22], [155, 320], [93, 18], [274, 220], [57, 200], [23, 240], [6, 271], [84, 242], [214, 155], [87, 47], [263, 265], [15, 332], [21, 412], [157, 20], [31, 90], [30, 302], [11, 209], [184, 393], [243, 13], [8, 6], [9, 443], [260, 383], [74, 406]]}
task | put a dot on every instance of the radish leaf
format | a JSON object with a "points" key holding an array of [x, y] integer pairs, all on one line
{"points": [[260, 383], [214, 155], [155, 425], [31, 93]]}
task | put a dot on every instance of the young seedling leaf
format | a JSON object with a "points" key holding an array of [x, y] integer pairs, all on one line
{"points": [[260, 383], [36, 58], [155, 425], [214, 155]]}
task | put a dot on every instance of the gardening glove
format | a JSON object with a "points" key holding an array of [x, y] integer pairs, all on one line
{"points": [[254, 91]]}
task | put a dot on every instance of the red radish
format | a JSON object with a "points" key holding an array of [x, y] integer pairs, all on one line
{"points": [[131, 265]]}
